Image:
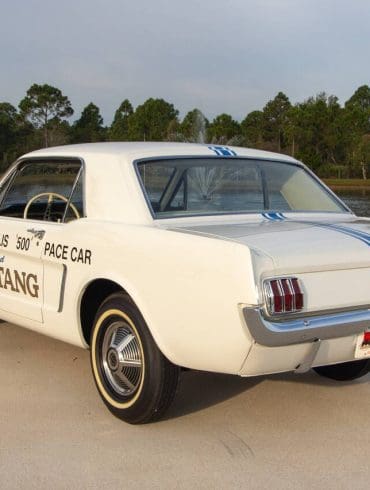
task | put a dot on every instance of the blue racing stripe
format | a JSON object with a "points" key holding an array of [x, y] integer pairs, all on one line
{"points": [[272, 216], [358, 235], [363, 237], [351, 232], [223, 151]]}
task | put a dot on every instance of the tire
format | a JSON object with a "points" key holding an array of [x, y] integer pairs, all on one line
{"points": [[345, 371], [136, 382]]}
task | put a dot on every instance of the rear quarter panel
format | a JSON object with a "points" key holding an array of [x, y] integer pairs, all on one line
{"points": [[187, 288]]}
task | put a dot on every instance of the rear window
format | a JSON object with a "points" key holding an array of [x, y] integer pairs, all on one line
{"points": [[206, 186]]}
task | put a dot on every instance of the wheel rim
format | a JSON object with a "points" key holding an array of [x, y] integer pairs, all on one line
{"points": [[122, 359]]}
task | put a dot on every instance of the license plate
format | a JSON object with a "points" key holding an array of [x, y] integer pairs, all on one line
{"points": [[361, 350]]}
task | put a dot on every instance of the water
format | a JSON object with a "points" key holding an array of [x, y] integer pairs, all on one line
{"points": [[200, 127], [358, 200]]}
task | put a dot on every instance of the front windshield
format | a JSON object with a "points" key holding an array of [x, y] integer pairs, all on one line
{"points": [[208, 186]]}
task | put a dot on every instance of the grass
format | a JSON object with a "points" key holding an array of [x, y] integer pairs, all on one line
{"points": [[348, 183]]}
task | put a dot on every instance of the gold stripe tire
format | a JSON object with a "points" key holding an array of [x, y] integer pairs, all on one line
{"points": [[134, 379]]}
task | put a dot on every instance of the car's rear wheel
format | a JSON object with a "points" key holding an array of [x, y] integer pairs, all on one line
{"points": [[134, 379], [345, 371]]}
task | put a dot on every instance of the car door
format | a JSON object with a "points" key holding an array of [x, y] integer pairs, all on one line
{"points": [[33, 200], [21, 275]]}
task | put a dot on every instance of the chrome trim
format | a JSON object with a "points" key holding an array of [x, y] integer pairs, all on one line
{"points": [[304, 329], [279, 318], [122, 359], [269, 296], [62, 289]]}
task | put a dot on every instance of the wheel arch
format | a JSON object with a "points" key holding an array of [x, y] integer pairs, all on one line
{"points": [[94, 294]]}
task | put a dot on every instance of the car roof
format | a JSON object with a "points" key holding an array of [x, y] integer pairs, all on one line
{"points": [[135, 150]]}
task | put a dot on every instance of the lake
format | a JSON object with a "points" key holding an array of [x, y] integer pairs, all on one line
{"points": [[357, 199]]}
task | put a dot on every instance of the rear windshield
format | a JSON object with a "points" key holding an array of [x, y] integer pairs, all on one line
{"points": [[207, 186]]}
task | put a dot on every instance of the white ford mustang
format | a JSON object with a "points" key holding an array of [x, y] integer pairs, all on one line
{"points": [[158, 256]]}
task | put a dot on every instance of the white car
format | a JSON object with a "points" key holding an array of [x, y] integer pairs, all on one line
{"points": [[162, 256]]}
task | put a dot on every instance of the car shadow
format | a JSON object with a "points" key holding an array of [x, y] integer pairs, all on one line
{"points": [[199, 390], [310, 377]]}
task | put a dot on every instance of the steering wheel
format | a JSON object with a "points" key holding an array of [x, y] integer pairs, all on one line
{"points": [[51, 196]]}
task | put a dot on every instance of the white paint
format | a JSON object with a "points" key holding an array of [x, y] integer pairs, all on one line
{"points": [[187, 275]]}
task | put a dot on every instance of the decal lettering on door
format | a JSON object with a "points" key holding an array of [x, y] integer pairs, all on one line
{"points": [[19, 282], [4, 240], [65, 252]]}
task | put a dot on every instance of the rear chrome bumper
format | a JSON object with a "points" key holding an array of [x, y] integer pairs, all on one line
{"points": [[271, 333]]}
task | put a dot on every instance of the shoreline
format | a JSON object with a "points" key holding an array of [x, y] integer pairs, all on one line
{"points": [[347, 184]]}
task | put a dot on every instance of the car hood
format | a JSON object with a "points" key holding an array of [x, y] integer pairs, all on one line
{"points": [[303, 243]]}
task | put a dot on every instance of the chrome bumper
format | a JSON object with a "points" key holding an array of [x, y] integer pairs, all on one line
{"points": [[273, 333]]}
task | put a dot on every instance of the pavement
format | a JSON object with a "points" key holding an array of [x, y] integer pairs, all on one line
{"points": [[285, 431]]}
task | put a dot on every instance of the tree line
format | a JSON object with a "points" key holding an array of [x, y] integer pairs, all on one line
{"points": [[332, 139]]}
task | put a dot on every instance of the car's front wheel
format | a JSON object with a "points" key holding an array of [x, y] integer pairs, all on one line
{"points": [[134, 379], [345, 371]]}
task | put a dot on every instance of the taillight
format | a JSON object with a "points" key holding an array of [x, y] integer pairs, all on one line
{"points": [[283, 295], [366, 340]]}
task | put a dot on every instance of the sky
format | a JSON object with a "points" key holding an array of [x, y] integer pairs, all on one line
{"points": [[228, 56]]}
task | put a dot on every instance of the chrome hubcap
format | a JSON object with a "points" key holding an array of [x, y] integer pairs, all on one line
{"points": [[122, 358]]}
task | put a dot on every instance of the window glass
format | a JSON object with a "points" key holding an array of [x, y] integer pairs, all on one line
{"points": [[156, 178], [76, 201], [202, 186], [42, 190], [224, 188]]}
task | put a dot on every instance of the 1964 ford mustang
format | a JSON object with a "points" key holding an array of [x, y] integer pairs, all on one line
{"points": [[158, 256]]}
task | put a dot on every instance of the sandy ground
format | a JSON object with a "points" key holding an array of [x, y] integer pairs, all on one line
{"points": [[285, 431]]}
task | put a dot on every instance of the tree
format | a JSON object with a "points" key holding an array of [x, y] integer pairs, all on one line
{"points": [[357, 109], [151, 120], [222, 129], [119, 128], [362, 155], [360, 99], [8, 131], [43, 104], [89, 127], [318, 131], [252, 129], [275, 114]]}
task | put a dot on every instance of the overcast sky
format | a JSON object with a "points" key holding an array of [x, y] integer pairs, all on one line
{"points": [[220, 56]]}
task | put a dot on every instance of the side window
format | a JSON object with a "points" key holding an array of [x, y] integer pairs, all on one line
{"points": [[45, 190]]}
